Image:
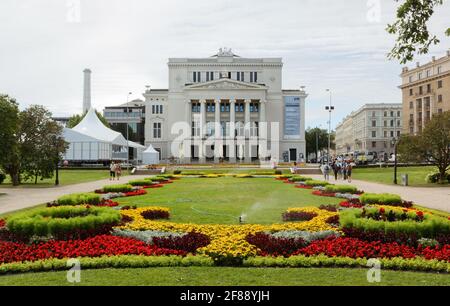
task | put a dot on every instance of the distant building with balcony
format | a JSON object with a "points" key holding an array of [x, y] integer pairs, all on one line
{"points": [[370, 129], [425, 91]]}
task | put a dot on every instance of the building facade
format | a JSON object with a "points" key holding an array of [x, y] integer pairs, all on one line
{"points": [[425, 91], [226, 108], [370, 129]]}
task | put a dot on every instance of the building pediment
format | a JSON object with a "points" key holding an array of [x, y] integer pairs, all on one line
{"points": [[226, 84]]}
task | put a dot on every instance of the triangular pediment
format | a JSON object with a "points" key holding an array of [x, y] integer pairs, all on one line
{"points": [[226, 84]]}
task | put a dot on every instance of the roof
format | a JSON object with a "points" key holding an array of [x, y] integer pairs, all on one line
{"points": [[150, 149], [93, 128]]}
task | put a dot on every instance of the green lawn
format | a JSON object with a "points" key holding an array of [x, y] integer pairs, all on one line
{"points": [[224, 276], [417, 175], [223, 200], [66, 177]]}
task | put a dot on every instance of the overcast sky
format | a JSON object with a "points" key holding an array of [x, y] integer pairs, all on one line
{"points": [[337, 44]]}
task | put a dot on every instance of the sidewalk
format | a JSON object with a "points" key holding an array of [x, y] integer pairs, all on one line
{"points": [[431, 197], [20, 198]]}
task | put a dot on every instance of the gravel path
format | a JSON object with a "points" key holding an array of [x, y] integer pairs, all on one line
{"points": [[20, 197]]}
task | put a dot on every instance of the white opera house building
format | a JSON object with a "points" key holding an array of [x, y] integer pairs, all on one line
{"points": [[225, 108]]}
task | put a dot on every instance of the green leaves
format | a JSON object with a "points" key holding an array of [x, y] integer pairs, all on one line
{"points": [[411, 29]]}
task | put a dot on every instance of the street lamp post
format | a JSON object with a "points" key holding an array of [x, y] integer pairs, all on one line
{"points": [[329, 109], [128, 144], [395, 143]]}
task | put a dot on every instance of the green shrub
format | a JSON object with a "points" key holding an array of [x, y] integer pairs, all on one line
{"points": [[140, 183], [278, 172], [433, 178], [430, 227], [300, 178], [314, 183], [382, 198], [79, 198], [117, 188], [341, 189], [177, 172], [60, 220]]}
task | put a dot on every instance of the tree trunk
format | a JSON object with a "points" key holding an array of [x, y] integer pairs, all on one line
{"points": [[35, 179], [442, 175], [15, 179]]}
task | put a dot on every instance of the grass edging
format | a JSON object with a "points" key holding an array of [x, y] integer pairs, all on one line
{"points": [[137, 261]]}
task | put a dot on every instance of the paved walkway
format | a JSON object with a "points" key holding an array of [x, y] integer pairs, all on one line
{"points": [[20, 197], [431, 197]]}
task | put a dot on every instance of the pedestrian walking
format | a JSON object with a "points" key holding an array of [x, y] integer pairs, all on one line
{"points": [[349, 172], [112, 171], [118, 171], [326, 172]]}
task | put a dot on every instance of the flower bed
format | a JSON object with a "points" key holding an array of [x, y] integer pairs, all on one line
{"points": [[275, 246], [323, 193], [117, 188], [135, 193], [298, 216], [155, 213], [424, 225], [341, 189], [64, 222], [351, 204], [91, 247]]}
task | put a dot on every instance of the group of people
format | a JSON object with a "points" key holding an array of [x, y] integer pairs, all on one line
{"points": [[115, 171], [342, 170]]}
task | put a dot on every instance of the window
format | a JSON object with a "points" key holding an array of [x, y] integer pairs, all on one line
{"points": [[385, 134], [374, 144], [398, 113], [253, 77], [385, 114], [374, 123], [428, 73], [410, 79], [420, 90], [239, 107], [439, 98], [411, 105], [209, 76], [225, 107], [392, 123], [240, 76], [428, 88], [411, 92], [157, 109], [196, 77], [196, 128], [398, 133], [374, 134], [440, 111], [254, 129], [254, 107], [399, 123], [392, 114], [439, 84], [439, 69], [210, 128], [196, 107], [392, 134], [411, 117], [157, 130], [239, 128], [385, 123], [420, 75], [153, 109]]}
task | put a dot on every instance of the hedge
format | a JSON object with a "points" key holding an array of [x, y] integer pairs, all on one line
{"points": [[314, 183], [122, 261], [381, 198], [60, 220], [299, 179], [341, 189], [79, 198], [430, 227], [140, 183], [117, 188]]}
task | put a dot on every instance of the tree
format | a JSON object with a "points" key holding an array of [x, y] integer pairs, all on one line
{"points": [[75, 119], [317, 137], [432, 145], [40, 143], [411, 29], [9, 149]]}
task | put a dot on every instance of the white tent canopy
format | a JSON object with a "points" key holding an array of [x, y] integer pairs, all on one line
{"points": [[150, 156], [91, 140]]}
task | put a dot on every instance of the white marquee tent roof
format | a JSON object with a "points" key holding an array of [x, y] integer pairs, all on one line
{"points": [[150, 149], [92, 127]]}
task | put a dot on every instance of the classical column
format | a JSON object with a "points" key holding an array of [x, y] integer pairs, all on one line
{"points": [[262, 111], [262, 130], [247, 152], [187, 141], [217, 132], [232, 146], [201, 147]]}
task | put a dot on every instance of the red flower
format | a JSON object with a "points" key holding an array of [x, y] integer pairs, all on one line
{"points": [[382, 210]]}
